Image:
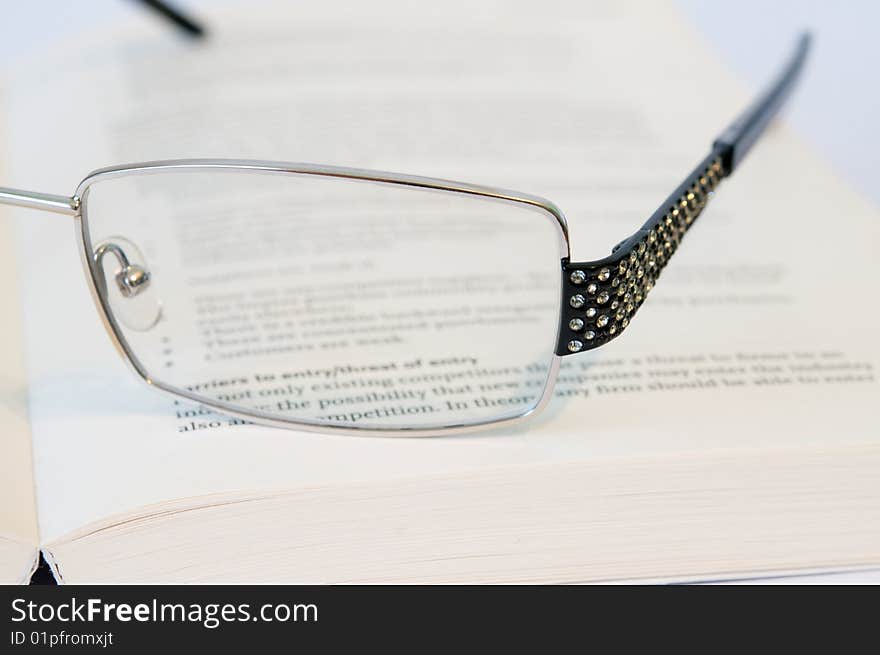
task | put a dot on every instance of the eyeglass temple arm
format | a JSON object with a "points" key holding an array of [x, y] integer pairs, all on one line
{"points": [[36, 200], [180, 19], [600, 298]]}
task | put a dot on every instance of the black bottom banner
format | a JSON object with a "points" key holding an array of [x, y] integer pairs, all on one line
{"points": [[147, 619]]}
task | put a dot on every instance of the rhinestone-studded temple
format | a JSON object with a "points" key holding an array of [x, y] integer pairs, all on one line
{"points": [[601, 298]]}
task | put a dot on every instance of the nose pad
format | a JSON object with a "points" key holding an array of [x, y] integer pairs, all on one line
{"points": [[127, 284], [132, 279]]}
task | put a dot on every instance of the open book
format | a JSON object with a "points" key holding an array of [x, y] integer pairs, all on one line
{"points": [[742, 440]]}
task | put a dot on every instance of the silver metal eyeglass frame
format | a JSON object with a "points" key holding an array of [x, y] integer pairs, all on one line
{"points": [[599, 298], [77, 207]]}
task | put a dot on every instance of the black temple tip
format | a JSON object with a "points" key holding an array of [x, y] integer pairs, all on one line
{"points": [[181, 20], [805, 41]]}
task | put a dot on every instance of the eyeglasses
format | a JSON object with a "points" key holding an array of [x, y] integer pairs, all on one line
{"points": [[355, 301]]}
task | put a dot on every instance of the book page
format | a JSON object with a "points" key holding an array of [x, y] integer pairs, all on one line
{"points": [[757, 335], [18, 513]]}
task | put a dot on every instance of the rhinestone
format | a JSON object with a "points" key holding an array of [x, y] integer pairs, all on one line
{"points": [[602, 298], [642, 247], [627, 298], [652, 236], [604, 274], [574, 345], [632, 258], [615, 304], [621, 267], [576, 324], [640, 273], [615, 282], [602, 321], [592, 288], [620, 314], [577, 301], [630, 307], [625, 322], [589, 335], [612, 329], [577, 277], [591, 312], [621, 290]]}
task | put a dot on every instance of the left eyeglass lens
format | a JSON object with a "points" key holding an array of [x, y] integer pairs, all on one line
{"points": [[329, 300]]}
